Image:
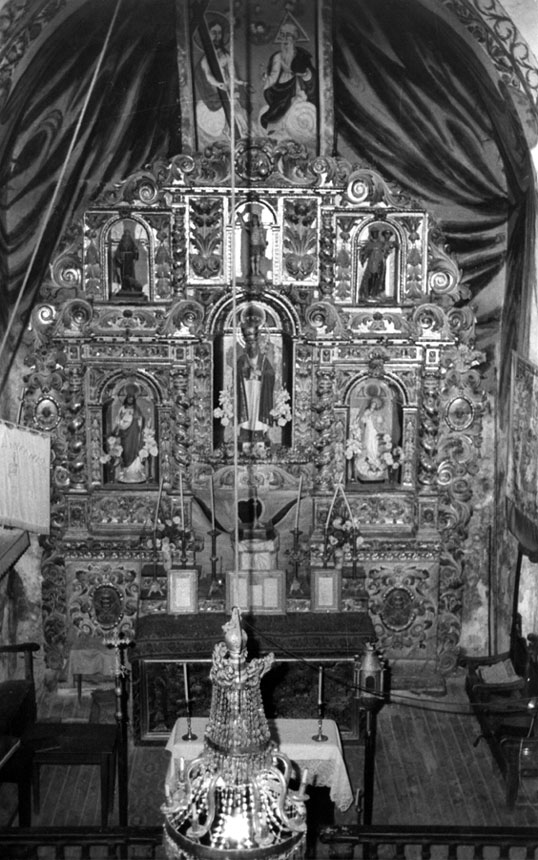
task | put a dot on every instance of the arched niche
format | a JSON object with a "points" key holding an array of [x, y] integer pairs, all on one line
{"points": [[253, 346], [375, 434]]}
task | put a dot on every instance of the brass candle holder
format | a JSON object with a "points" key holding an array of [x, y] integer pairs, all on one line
{"points": [[320, 737], [189, 736]]}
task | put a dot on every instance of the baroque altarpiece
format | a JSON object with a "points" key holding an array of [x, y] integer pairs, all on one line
{"points": [[281, 357]]}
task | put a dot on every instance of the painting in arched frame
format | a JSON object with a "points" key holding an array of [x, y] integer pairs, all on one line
{"points": [[373, 447], [377, 251], [261, 410], [128, 250], [130, 448]]}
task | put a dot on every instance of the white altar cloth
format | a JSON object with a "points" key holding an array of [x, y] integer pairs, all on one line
{"points": [[323, 759]]}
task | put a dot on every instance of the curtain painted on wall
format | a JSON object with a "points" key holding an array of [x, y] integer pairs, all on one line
{"points": [[416, 103], [132, 118], [411, 99]]}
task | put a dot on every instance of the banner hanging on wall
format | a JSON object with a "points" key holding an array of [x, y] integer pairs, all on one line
{"points": [[24, 478], [522, 475]]}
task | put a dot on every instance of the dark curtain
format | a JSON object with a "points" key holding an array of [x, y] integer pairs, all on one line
{"points": [[413, 101], [131, 119]]}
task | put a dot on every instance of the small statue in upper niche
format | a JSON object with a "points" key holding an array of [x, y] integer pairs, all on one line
{"points": [[373, 255], [125, 258]]}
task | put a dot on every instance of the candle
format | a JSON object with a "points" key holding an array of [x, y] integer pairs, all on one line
{"points": [[181, 512], [298, 503], [159, 505], [212, 505], [331, 508], [320, 686], [186, 682], [347, 504]]}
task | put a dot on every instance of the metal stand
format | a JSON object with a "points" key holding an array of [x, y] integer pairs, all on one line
{"points": [[216, 581], [190, 736], [121, 689], [320, 737]]}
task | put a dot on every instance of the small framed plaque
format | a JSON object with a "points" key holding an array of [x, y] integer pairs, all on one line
{"points": [[261, 591], [182, 590], [326, 589]]}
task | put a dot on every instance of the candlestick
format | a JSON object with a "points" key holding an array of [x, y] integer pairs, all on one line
{"points": [[186, 683], [212, 505], [320, 686], [331, 508], [158, 506], [298, 503], [347, 503], [182, 514]]}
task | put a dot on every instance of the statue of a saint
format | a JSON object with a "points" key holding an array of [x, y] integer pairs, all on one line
{"points": [[367, 442], [255, 386], [373, 254], [125, 258]]}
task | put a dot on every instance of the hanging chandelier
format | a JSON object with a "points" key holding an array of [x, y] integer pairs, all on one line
{"points": [[234, 800]]}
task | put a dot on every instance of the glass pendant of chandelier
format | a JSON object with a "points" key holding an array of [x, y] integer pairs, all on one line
{"points": [[234, 800]]}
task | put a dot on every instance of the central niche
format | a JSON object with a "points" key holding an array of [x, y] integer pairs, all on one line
{"points": [[374, 445], [253, 381]]}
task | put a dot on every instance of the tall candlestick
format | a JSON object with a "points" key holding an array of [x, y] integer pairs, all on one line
{"points": [[212, 505], [181, 512], [331, 508], [320, 686], [158, 505], [298, 503], [186, 682], [347, 503]]}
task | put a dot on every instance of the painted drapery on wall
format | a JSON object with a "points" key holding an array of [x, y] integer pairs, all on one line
{"points": [[443, 162], [522, 480]]}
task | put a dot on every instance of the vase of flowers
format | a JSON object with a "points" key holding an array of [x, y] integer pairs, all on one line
{"points": [[342, 538]]}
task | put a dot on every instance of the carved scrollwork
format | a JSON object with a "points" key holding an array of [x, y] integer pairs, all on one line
{"points": [[74, 317], [322, 319], [185, 318], [364, 185]]}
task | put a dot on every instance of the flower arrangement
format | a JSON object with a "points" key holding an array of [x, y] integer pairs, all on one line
{"points": [[393, 457], [342, 534], [224, 410], [281, 410], [114, 448]]}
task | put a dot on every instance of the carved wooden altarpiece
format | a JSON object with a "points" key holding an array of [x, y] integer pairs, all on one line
{"points": [[338, 288]]}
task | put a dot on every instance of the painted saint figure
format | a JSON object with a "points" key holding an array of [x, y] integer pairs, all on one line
{"points": [[373, 253], [367, 438], [290, 77], [255, 386], [256, 242], [125, 258], [214, 78]]}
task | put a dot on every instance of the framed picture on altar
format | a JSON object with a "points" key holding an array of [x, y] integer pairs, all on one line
{"points": [[182, 590], [326, 589], [261, 591]]}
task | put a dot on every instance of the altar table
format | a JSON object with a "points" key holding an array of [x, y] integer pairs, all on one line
{"points": [[323, 759]]}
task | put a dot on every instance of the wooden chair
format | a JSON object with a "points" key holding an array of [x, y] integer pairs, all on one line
{"points": [[18, 708], [18, 712], [506, 706]]}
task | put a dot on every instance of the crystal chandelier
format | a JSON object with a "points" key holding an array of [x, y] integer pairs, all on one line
{"points": [[234, 800]]}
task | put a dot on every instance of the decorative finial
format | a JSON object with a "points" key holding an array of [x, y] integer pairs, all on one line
{"points": [[234, 636]]}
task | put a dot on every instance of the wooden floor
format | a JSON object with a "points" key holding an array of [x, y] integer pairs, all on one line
{"points": [[428, 771]]}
